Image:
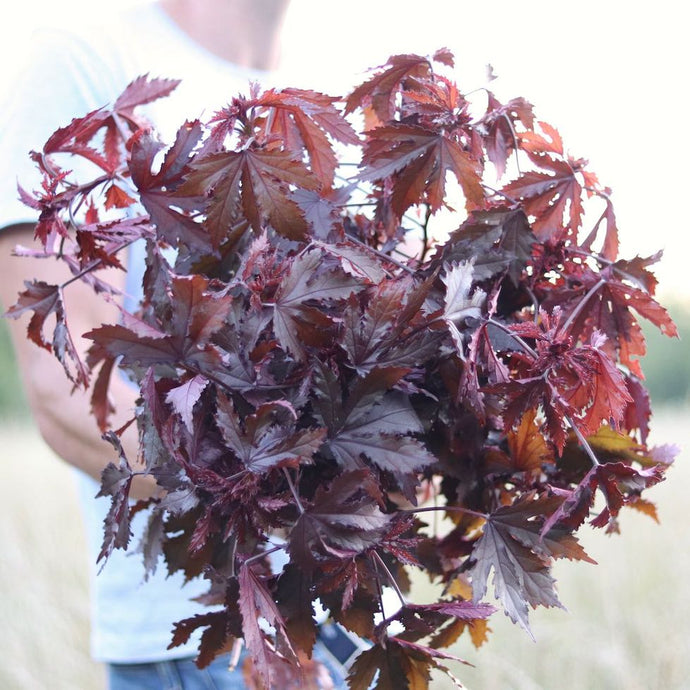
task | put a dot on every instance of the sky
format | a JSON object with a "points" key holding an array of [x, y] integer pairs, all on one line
{"points": [[611, 76]]}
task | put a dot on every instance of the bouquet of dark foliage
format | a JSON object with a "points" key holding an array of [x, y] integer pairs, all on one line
{"points": [[379, 335]]}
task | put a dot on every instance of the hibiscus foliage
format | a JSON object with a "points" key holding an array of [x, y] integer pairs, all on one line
{"points": [[394, 334]]}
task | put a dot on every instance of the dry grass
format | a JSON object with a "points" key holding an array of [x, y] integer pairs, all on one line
{"points": [[628, 625], [43, 571]]}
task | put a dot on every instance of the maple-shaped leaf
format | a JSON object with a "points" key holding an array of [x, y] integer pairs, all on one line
{"points": [[513, 546], [101, 405], [572, 384], [553, 198], [525, 521], [462, 305], [365, 392], [547, 197], [116, 197], [152, 415], [608, 391], [384, 332], [500, 121], [214, 640], [228, 359], [184, 397], [444, 56], [619, 481], [256, 603], [397, 664], [614, 445], [528, 449], [141, 91], [115, 482], [375, 424], [306, 119], [75, 139], [193, 315], [378, 437], [421, 620], [417, 161], [138, 343], [391, 667], [254, 183], [495, 240], [610, 243], [380, 90], [436, 103], [267, 438], [294, 594], [157, 189], [116, 122], [345, 517], [636, 272], [356, 261], [320, 211], [197, 313], [309, 280], [44, 299], [478, 630], [614, 294]]}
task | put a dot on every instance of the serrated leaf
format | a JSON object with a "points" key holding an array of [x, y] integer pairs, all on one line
{"points": [[458, 304], [419, 159], [346, 516], [262, 441], [379, 89], [528, 448], [256, 603], [308, 280], [143, 90], [184, 397], [115, 482], [514, 546]]}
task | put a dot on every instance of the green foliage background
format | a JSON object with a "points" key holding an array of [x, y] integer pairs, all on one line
{"points": [[13, 405], [666, 366]]}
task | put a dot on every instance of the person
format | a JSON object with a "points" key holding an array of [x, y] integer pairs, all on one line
{"points": [[216, 47]]}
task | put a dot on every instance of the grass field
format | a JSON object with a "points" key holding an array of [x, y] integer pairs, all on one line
{"points": [[43, 571], [627, 625]]}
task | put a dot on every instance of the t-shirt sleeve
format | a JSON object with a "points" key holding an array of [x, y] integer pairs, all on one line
{"points": [[63, 77]]}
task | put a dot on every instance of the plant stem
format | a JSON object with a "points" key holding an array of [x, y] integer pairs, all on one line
{"points": [[575, 312], [379, 588], [449, 509], [425, 239], [517, 338], [381, 255], [293, 490], [390, 578], [584, 442], [263, 554]]}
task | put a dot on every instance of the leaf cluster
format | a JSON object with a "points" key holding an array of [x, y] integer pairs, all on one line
{"points": [[326, 375]]}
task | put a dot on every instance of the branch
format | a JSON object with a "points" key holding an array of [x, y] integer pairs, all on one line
{"points": [[293, 490], [390, 578], [575, 312], [584, 442]]}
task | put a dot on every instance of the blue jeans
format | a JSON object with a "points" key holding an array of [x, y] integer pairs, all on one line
{"points": [[183, 674], [174, 674]]}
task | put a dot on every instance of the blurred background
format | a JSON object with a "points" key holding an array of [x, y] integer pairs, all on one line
{"points": [[612, 77]]}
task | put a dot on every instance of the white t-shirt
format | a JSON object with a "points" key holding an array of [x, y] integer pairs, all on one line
{"points": [[66, 76]]}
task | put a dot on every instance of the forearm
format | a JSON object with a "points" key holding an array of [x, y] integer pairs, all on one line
{"points": [[64, 420], [63, 413]]}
